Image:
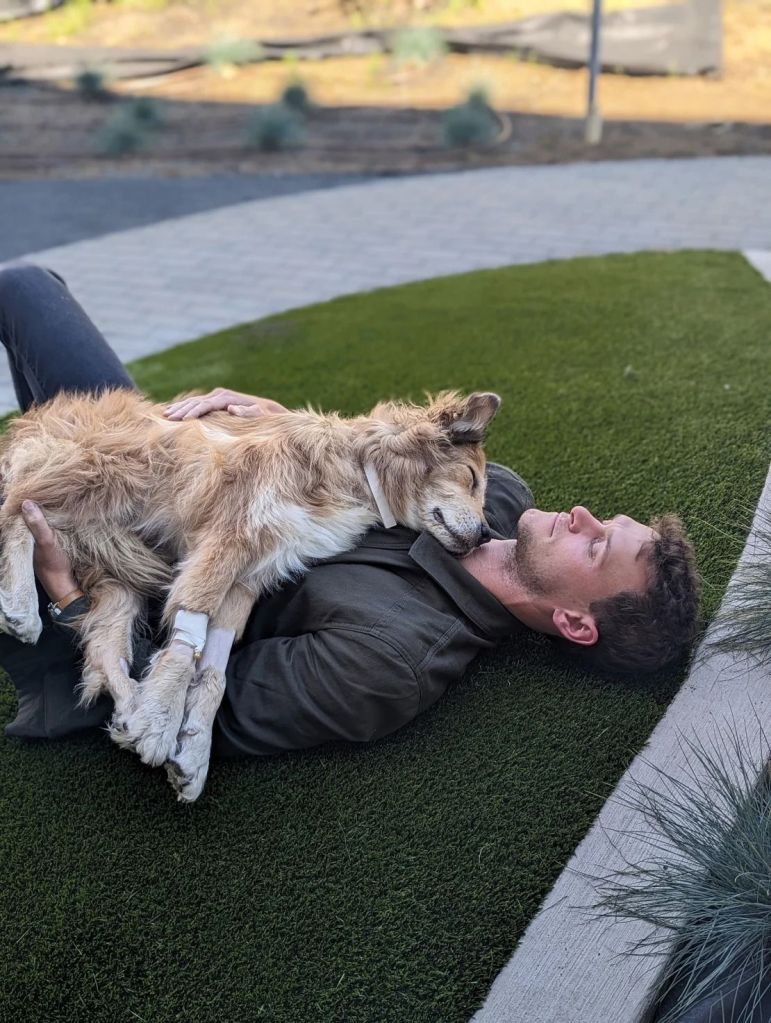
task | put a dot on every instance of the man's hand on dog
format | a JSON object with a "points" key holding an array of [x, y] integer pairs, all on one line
{"points": [[51, 563], [221, 399]]}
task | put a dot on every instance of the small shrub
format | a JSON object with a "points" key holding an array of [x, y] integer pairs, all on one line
{"points": [[295, 96], [228, 53], [418, 46], [144, 110], [472, 123], [130, 126], [275, 127], [91, 84], [122, 134]]}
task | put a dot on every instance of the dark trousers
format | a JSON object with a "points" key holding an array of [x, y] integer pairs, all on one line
{"points": [[51, 346]]}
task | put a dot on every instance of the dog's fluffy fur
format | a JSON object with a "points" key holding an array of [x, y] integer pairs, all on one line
{"points": [[215, 512]]}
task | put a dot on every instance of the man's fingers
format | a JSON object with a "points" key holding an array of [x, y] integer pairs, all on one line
{"points": [[179, 408], [36, 522]]}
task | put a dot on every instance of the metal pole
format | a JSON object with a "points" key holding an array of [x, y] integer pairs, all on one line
{"points": [[593, 130]]}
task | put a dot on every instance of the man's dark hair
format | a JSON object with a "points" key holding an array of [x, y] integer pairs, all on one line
{"points": [[644, 632]]}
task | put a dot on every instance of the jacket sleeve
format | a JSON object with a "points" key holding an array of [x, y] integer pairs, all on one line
{"points": [[289, 693]]}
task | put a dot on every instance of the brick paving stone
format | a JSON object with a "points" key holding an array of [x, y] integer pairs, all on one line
{"points": [[161, 284]]}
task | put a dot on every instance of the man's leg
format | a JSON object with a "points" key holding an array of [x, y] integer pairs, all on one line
{"points": [[51, 344]]}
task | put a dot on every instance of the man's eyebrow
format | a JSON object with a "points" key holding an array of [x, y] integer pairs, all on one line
{"points": [[644, 545]]}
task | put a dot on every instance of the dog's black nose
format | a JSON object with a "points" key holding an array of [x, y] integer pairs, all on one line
{"points": [[484, 533]]}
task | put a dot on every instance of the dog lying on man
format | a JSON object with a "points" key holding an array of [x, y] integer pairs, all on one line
{"points": [[215, 513]]}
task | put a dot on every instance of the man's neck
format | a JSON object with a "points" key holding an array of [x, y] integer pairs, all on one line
{"points": [[490, 566]]}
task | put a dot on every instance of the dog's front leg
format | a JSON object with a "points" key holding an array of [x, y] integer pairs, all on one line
{"points": [[18, 597], [107, 631], [205, 576], [189, 766]]}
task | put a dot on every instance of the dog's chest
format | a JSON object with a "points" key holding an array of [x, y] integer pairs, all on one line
{"points": [[298, 536]]}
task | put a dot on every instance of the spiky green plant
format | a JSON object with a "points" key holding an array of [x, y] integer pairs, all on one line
{"points": [[472, 123], [144, 110], [91, 84], [121, 134], [418, 46], [743, 624], [228, 52], [295, 96], [706, 882], [275, 127]]}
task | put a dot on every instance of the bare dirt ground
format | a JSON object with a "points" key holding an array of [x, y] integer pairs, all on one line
{"points": [[371, 114]]}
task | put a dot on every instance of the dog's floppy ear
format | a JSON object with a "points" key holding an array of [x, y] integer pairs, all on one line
{"points": [[472, 417]]}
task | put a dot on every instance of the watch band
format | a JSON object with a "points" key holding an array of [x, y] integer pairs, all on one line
{"points": [[56, 607]]}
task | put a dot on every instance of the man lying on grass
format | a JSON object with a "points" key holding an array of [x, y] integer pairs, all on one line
{"points": [[368, 640]]}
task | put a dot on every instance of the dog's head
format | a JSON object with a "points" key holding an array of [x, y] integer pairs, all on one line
{"points": [[431, 464]]}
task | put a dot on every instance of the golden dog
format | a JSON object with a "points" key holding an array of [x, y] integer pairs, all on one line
{"points": [[215, 512]]}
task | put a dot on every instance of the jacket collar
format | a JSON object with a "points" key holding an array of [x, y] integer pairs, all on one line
{"points": [[473, 599]]}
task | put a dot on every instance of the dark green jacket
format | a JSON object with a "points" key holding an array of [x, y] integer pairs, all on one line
{"points": [[359, 646]]}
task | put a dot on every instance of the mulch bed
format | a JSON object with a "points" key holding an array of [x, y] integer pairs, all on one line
{"points": [[49, 131]]}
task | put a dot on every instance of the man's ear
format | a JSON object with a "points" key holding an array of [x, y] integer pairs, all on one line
{"points": [[474, 417], [576, 626]]}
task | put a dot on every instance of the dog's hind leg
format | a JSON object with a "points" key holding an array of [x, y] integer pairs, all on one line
{"points": [[18, 596], [107, 631], [188, 768]]}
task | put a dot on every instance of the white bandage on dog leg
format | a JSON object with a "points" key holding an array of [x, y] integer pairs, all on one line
{"points": [[217, 650], [190, 627]]}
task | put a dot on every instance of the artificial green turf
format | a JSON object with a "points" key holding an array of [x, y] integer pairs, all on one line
{"points": [[391, 883]]}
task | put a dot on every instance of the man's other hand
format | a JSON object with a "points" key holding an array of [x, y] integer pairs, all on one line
{"points": [[51, 563], [245, 405]]}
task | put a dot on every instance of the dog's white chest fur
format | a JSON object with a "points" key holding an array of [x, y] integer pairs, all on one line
{"points": [[304, 535]]}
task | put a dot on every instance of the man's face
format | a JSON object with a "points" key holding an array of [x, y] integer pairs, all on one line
{"points": [[572, 559]]}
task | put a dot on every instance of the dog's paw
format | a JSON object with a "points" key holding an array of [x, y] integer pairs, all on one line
{"points": [[151, 731], [118, 729], [156, 722], [188, 768], [23, 623]]}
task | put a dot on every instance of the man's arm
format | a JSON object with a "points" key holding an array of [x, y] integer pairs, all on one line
{"points": [[289, 693]]}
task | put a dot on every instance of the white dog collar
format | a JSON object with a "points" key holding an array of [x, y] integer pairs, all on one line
{"points": [[381, 502]]}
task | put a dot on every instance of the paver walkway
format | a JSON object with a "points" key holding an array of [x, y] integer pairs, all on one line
{"points": [[155, 286], [39, 214]]}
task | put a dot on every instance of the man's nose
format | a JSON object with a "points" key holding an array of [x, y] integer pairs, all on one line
{"points": [[484, 534], [582, 519]]}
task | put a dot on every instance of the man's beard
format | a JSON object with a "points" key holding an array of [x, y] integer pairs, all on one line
{"points": [[521, 563]]}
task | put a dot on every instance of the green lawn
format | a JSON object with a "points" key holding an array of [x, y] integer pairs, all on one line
{"points": [[391, 883]]}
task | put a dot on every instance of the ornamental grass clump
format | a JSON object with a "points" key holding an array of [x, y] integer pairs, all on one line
{"points": [[226, 54], [92, 85], [295, 96], [130, 127], [418, 47], [144, 111], [707, 881], [472, 123], [276, 127], [743, 624]]}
